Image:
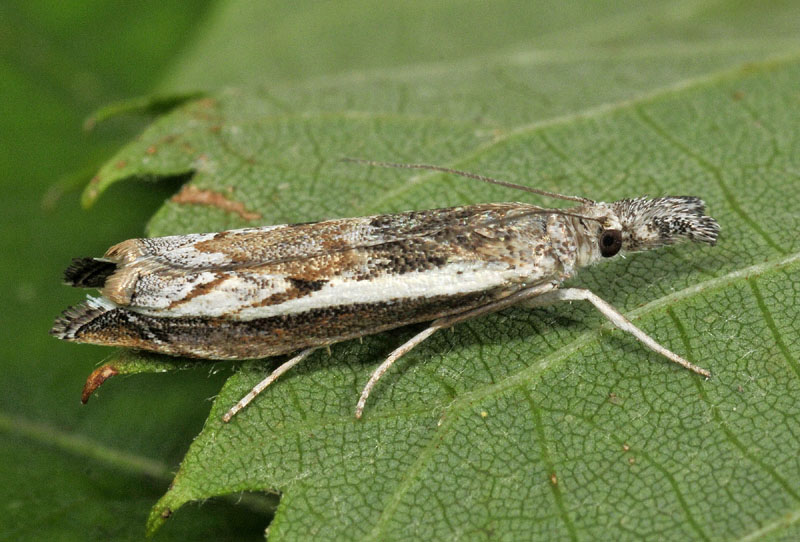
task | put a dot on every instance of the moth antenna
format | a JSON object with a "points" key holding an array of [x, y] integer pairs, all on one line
{"points": [[469, 175]]}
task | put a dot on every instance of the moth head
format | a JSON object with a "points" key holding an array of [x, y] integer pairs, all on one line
{"points": [[645, 223]]}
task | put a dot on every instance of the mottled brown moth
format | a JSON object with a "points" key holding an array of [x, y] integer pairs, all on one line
{"points": [[273, 290]]}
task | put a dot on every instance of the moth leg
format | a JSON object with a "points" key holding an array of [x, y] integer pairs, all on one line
{"points": [[616, 318], [261, 386], [383, 367], [447, 321]]}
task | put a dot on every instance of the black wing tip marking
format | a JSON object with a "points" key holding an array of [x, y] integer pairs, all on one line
{"points": [[88, 272]]}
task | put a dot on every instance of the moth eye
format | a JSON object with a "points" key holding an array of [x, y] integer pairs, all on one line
{"points": [[610, 242]]}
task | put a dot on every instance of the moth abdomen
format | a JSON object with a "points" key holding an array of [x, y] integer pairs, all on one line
{"points": [[88, 272]]}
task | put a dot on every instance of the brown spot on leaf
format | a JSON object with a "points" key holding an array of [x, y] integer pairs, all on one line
{"points": [[169, 138], [121, 164], [151, 149], [96, 379], [188, 149], [192, 195], [553, 479], [205, 109]]}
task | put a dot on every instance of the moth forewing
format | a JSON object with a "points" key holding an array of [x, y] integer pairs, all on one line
{"points": [[260, 292]]}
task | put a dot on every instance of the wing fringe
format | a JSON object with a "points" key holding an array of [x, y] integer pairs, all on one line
{"points": [[71, 321]]}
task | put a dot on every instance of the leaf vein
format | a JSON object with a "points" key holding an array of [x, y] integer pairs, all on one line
{"points": [[558, 498], [776, 334], [782, 522], [641, 453], [720, 422]]}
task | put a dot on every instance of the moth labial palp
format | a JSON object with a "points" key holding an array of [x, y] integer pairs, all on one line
{"points": [[275, 290]]}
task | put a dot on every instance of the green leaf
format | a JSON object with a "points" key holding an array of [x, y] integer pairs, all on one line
{"points": [[537, 422], [527, 424]]}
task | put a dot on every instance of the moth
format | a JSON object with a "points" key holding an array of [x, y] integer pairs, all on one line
{"points": [[294, 288]]}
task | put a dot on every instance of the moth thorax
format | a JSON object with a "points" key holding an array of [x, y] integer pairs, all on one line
{"points": [[564, 237]]}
